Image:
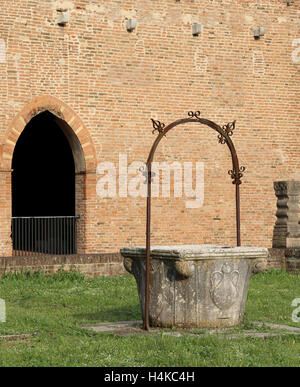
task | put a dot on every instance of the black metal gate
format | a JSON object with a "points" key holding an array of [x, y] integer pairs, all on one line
{"points": [[36, 235]]}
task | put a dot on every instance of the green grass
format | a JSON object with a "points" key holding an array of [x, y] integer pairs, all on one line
{"points": [[56, 305]]}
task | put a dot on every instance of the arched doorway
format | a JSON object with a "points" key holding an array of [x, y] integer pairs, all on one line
{"points": [[43, 188], [84, 158], [43, 177]]}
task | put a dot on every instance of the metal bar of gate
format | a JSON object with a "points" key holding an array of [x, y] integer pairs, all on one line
{"points": [[44, 235]]}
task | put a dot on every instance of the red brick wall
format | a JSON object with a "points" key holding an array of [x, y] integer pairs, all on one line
{"points": [[89, 265], [107, 83], [5, 211]]}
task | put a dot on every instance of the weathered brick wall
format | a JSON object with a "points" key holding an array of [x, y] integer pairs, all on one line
{"points": [[94, 265], [89, 265], [111, 82], [292, 260], [276, 259]]}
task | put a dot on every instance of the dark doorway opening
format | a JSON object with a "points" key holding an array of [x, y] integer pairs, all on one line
{"points": [[43, 177], [43, 189]]}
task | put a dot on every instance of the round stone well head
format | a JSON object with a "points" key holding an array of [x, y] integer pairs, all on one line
{"points": [[195, 285]]}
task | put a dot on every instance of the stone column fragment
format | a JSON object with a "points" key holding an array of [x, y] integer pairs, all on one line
{"points": [[287, 229]]}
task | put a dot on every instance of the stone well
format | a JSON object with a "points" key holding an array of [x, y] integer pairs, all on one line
{"points": [[195, 285]]}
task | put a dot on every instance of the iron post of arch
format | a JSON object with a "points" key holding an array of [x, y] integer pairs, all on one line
{"points": [[224, 134]]}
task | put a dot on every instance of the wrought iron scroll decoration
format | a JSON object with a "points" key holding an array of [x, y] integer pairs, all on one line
{"points": [[224, 134]]}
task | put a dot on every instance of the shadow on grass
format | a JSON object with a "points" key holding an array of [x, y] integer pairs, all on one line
{"points": [[109, 315]]}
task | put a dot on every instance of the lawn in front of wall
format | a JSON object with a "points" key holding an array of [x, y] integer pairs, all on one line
{"points": [[56, 305]]}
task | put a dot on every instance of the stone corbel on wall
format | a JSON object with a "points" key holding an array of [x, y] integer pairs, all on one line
{"points": [[287, 228]]}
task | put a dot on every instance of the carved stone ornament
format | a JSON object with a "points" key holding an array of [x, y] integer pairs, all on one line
{"points": [[224, 287]]}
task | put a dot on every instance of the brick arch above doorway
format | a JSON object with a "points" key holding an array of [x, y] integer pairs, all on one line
{"points": [[60, 110]]}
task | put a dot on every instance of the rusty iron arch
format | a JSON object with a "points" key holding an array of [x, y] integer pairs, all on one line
{"points": [[224, 134]]}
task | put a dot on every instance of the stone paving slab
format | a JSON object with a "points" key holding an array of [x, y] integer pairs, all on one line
{"points": [[121, 328], [276, 326], [23, 336], [128, 328]]}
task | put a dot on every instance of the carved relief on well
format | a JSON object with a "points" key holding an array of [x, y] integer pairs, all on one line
{"points": [[259, 265], [224, 287], [127, 262], [184, 269]]}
